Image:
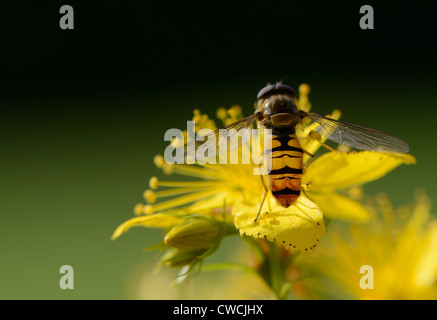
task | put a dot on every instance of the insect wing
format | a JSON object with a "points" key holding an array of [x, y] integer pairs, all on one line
{"points": [[221, 136], [357, 136]]}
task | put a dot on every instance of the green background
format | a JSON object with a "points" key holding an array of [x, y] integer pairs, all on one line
{"points": [[71, 176], [84, 113]]}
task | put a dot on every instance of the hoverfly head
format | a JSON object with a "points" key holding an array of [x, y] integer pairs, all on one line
{"points": [[277, 98], [274, 89]]}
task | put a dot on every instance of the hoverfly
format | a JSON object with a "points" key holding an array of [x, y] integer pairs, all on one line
{"points": [[276, 110]]}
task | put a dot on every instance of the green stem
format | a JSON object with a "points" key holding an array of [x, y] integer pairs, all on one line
{"points": [[276, 272], [271, 268]]}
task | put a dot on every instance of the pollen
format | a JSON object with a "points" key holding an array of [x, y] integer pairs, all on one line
{"points": [[264, 214], [235, 111], [336, 114], [153, 183], [202, 121], [304, 89], [343, 148], [356, 192], [167, 169], [138, 210], [304, 103], [148, 209], [315, 136], [222, 113], [150, 196], [159, 161], [307, 186]]}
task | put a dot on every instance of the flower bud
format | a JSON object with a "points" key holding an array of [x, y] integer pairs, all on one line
{"points": [[193, 234], [175, 258]]}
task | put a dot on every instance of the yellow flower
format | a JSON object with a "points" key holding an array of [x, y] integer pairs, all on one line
{"points": [[335, 171], [153, 221], [190, 238], [399, 246], [301, 225]]}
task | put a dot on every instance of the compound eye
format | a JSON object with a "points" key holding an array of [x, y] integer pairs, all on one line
{"points": [[277, 88]]}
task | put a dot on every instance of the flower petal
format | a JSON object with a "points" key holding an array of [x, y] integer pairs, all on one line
{"points": [[152, 221], [300, 226], [339, 170], [337, 206]]}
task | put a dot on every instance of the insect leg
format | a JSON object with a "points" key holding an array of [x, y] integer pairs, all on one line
{"points": [[311, 160], [328, 147], [265, 192], [262, 203], [308, 184]]}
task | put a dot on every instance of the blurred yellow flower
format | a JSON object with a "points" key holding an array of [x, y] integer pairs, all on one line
{"points": [[399, 245]]}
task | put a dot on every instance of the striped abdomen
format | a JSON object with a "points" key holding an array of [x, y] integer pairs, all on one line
{"points": [[284, 180]]}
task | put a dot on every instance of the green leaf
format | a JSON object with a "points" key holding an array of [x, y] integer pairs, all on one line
{"points": [[229, 266], [157, 246]]}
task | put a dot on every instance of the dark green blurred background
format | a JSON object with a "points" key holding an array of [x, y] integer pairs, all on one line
{"points": [[85, 110]]}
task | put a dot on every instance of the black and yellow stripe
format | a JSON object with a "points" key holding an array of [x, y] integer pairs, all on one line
{"points": [[284, 179]]}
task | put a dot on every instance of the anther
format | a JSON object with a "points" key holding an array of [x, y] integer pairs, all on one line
{"points": [[159, 161], [304, 89], [150, 196], [148, 209], [138, 210], [222, 113], [153, 183], [167, 169]]}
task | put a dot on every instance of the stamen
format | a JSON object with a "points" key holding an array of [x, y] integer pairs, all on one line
{"points": [[153, 183], [386, 209], [423, 203], [222, 113], [150, 196], [189, 184], [174, 192], [356, 192], [304, 103], [197, 172], [235, 111], [384, 203], [180, 201], [336, 114], [167, 169], [159, 161], [304, 90], [148, 209], [138, 210]]}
